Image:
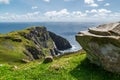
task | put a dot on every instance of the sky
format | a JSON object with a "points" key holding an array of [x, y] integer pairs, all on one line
{"points": [[59, 10]]}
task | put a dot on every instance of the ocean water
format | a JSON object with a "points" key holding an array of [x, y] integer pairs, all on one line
{"points": [[67, 30]]}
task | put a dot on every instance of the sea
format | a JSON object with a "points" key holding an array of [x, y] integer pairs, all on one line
{"points": [[67, 30]]}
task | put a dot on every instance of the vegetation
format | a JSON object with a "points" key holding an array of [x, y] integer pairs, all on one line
{"points": [[13, 46], [68, 67]]}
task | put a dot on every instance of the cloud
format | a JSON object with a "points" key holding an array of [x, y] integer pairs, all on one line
{"points": [[107, 4], [66, 0], [46, 0], [91, 3], [63, 12], [91, 11], [78, 14], [99, 12], [104, 11], [34, 7], [100, 0], [64, 15], [27, 16], [4, 1]]}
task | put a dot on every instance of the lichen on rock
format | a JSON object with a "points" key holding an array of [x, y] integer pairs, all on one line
{"points": [[102, 45]]}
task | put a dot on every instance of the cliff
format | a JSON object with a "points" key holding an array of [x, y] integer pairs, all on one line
{"points": [[29, 44], [60, 42]]}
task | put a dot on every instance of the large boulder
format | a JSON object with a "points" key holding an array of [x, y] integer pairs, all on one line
{"points": [[102, 45]]}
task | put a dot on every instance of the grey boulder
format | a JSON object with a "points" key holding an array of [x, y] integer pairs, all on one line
{"points": [[102, 45]]}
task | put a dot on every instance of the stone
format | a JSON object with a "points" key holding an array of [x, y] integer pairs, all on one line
{"points": [[16, 40], [44, 39], [60, 42], [25, 61], [32, 43], [102, 45], [48, 59]]}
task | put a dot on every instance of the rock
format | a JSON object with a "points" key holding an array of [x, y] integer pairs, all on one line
{"points": [[34, 42], [102, 45], [16, 40], [15, 67], [41, 41], [7, 37], [25, 61], [35, 52], [44, 39], [48, 59], [60, 42]]}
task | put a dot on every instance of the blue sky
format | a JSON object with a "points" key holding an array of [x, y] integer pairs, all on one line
{"points": [[59, 10]]}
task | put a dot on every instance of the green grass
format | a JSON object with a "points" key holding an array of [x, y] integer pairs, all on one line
{"points": [[68, 67], [12, 52]]}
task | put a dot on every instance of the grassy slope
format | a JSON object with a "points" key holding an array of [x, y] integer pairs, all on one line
{"points": [[11, 52], [68, 67]]}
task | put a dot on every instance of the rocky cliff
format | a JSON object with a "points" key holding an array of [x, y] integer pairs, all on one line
{"points": [[30, 44], [102, 45], [60, 42]]}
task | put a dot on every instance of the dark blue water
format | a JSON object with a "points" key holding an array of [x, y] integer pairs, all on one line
{"points": [[67, 30]]}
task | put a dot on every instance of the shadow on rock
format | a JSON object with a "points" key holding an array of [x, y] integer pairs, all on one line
{"points": [[88, 71]]}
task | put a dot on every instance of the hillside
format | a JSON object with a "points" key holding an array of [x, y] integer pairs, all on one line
{"points": [[68, 67], [29, 44]]}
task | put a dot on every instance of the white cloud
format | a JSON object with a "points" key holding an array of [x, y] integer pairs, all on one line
{"points": [[63, 15], [104, 11], [66, 0], [94, 5], [33, 14], [46, 0], [34, 7], [78, 14], [4, 1], [98, 11], [27, 16], [91, 3], [91, 11], [107, 4], [100, 0], [63, 12]]}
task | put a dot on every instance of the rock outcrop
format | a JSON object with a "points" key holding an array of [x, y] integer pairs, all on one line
{"points": [[60, 42], [102, 45], [32, 43], [44, 39]]}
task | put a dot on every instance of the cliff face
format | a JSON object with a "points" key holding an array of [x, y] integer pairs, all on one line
{"points": [[102, 45], [42, 42], [30, 44], [60, 42]]}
